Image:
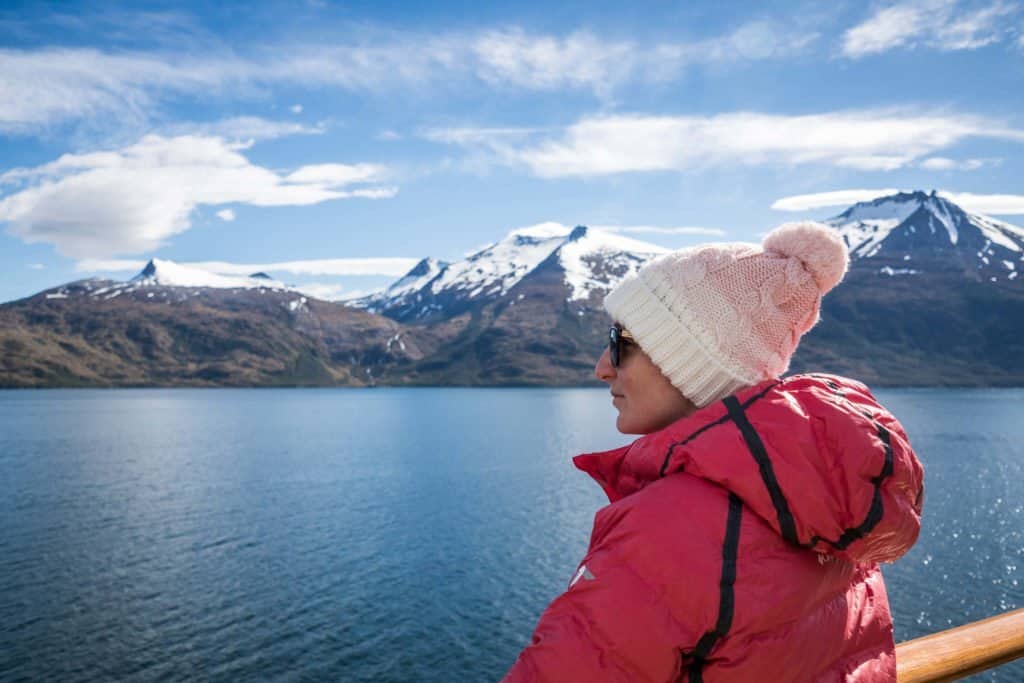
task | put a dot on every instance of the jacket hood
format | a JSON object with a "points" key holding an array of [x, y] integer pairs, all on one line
{"points": [[815, 456]]}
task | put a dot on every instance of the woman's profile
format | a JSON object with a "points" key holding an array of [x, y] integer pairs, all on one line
{"points": [[745, 526]]}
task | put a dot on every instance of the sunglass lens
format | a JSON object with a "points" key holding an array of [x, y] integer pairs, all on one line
{"points": [[614, 345]]}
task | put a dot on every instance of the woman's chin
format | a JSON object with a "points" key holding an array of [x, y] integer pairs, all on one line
{"points": [[625, 425]]}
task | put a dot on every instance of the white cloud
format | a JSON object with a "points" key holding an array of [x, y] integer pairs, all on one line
{"points": [[36, 266], [391, 266], [47, 87], [545, 62], [226, 215], [468, 135], [938, 164], [388, 266], [322, 290], [605, 145], [243, 128], [972, 30], [389, 135], [350, 294], [939, 24], [336, 175], [947, 164], [657, 230], [999, 204], [758, 40], [819, 200], [295, 109], [132, 200], [887, 29], [584, 60], [873, 162]]}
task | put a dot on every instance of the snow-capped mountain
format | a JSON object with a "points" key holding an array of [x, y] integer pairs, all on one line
{"points": [[587, 261], [169, 280], [179, 325], [910, 233], [162, 273], [933, 297]]}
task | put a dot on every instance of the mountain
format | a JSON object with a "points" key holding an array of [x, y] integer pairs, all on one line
{"points": [[527, 309], [914, 232], [589, 260], [175, 325], [161, 273], [932, 297]]}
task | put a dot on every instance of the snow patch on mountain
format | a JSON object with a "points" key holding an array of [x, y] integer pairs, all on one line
{"points": [[598, 260], [1000, 233], [940, 210], [497, 268], [417, 278]]}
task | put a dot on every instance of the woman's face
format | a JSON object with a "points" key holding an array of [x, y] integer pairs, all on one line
{"points": [[644, 397]]}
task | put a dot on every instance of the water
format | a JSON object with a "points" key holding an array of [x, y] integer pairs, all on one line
{"points": [[383, 535]]}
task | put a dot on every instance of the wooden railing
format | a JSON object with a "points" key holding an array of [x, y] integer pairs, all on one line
{"points": [[951, 655]]}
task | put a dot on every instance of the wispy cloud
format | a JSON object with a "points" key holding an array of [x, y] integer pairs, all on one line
{"points": [[48, 87], [334, 175], [132, 200], [819, 200], [861, 140], [36, 266], [226, 215], [658, 230], [243, 128], [947, 164], [384, 266], [584, 60], [999, 204], [938, 24]]}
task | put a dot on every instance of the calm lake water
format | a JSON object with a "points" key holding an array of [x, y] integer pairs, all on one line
{"points": [[384, 535]]}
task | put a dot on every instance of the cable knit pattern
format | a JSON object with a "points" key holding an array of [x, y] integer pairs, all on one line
{"points": [[720, 317]]}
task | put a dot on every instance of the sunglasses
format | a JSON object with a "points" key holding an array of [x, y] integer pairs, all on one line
{"points": [[617, 338]]}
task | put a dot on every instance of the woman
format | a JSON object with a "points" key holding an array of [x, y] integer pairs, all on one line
{"points": [[745, 528]]}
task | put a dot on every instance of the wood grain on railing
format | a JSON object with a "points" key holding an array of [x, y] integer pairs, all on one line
{"points": [[951, 655]]}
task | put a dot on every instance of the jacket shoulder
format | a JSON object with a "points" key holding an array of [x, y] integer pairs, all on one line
{"points": [[672, 534]]}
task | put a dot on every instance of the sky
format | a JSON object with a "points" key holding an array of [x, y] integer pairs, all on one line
{"points": [[333, 145]]}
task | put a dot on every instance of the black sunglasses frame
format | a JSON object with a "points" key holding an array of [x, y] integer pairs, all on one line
{"points": [[617, 338]]}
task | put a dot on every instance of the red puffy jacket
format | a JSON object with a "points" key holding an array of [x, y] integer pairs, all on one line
{"points": [[741, 544]]}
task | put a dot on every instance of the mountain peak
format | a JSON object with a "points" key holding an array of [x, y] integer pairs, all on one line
{"points": [[579, 232], [929, 230], [148, 271], [164, 273]]}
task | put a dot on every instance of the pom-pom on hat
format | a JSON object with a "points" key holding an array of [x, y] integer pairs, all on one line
{"points": [[719, 317]]}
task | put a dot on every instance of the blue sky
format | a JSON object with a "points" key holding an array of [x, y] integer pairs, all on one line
{"points": [[335, 144]]}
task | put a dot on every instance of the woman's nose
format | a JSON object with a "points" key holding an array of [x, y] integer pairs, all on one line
{"points": [[604, 370]]}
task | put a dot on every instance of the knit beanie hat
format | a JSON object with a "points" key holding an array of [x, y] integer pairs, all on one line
{"points": [[719, 317]]}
